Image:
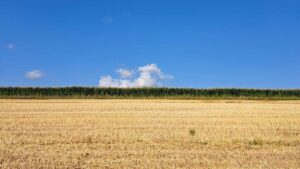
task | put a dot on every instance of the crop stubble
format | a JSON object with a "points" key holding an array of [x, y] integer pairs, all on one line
{"points": [[149, 134]]}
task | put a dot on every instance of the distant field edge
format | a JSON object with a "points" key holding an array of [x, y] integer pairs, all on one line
{"points": [[147, 93]]}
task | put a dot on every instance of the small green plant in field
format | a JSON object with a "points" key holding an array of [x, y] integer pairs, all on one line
{"points": [[192, 132], [88, 139], [204, 142], [256, 142]]}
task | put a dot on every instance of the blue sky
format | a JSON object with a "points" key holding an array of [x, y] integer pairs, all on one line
{"points": [[203, 44]]}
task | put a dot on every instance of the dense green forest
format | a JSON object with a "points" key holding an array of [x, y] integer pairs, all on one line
{"points": [[96, 92]]}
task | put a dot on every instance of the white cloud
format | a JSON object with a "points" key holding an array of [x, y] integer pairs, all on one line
{"points": [[108, 81], [11, 46], [107, 20], [125, 73], [34, 74], [150, 75]]}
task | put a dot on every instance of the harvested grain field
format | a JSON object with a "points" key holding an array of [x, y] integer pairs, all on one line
{"points": [[149, 134]]}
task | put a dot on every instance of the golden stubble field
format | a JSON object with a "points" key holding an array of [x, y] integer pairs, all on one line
{"points": [[149, 134]]}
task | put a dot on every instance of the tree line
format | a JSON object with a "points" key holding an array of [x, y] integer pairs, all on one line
{"points": [[96, 92]]}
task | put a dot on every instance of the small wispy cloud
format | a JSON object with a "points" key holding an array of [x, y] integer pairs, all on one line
{"points": [[125, 73], [34, 74], [11, 46], [150, 75], [107, 20]]}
